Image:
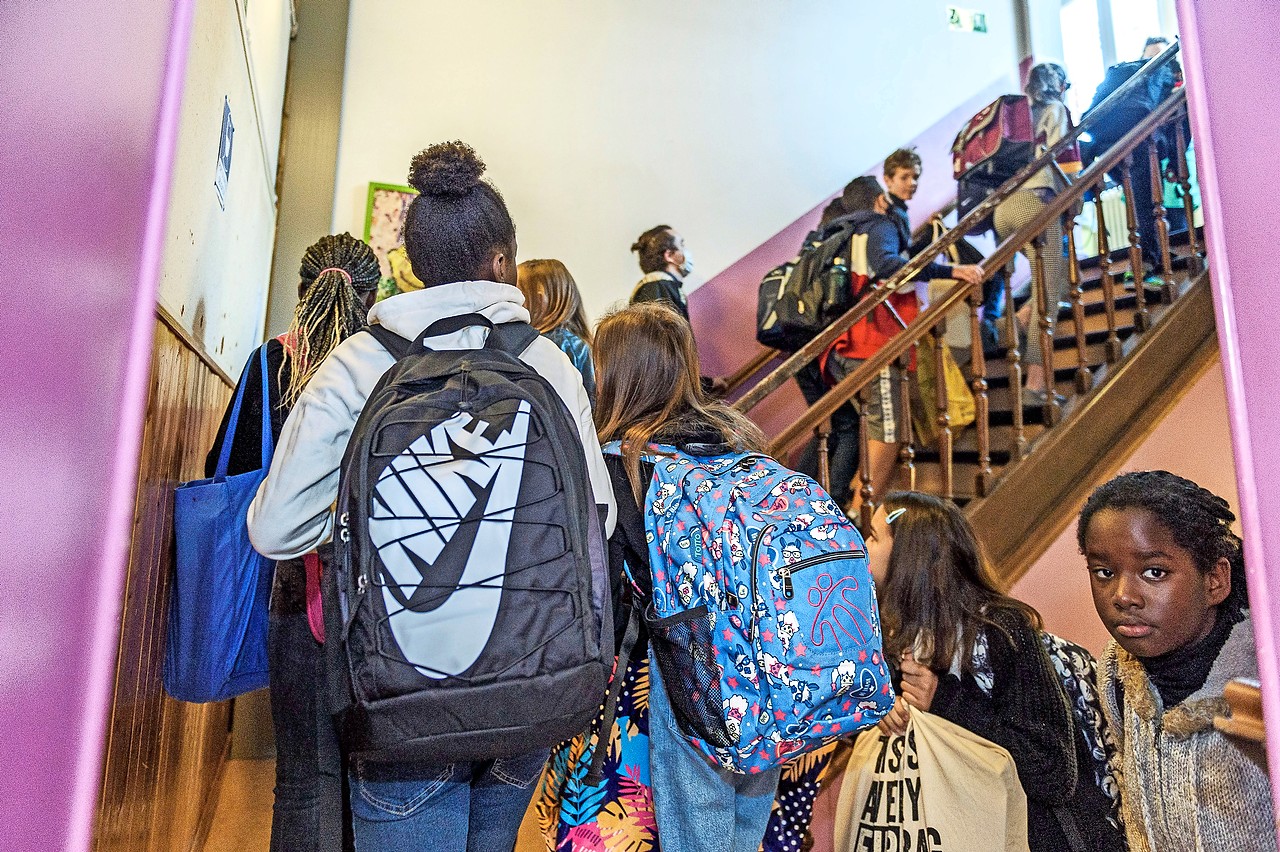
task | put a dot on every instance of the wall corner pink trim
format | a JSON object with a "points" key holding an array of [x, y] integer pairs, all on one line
{"points": [[1225, 42], [124, 475]]}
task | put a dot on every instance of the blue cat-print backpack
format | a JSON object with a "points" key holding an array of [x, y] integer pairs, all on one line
{"points": [[762, 616]]}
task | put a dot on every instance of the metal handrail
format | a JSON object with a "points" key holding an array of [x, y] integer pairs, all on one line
{"points": [[929, 318], [882, 289]]}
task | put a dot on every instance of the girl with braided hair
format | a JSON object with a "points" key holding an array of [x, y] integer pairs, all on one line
{"points": [[1167, 576], [337, 282]]}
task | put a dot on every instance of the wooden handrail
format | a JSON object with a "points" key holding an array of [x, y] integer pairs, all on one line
{"points": [[764, 355], [814, 348], [757, 363], [926, 320]]}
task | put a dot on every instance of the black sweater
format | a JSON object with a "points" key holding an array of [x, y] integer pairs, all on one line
{"points": [[246, 450], [289, 592], [1027, 713], [667, 290]]}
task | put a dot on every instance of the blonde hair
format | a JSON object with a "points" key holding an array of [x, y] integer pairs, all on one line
{"points": [[335, 271], [647, 385], [552, 297]]}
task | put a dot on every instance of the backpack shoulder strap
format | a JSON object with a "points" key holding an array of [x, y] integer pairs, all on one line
{"points": [[392, 342], [512, 337]]}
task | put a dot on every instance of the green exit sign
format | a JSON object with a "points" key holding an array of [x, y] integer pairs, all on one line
{"points": [[966, 20]]}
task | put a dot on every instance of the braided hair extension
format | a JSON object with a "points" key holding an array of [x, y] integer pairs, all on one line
{"points": [[458, 222], [1199, 521], [331, 308]]}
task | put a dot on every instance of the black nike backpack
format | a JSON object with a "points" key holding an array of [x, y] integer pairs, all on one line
{"points": [[468, 613]]}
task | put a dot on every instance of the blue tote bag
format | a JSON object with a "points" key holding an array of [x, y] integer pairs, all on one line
{"points": [[217, 642]]}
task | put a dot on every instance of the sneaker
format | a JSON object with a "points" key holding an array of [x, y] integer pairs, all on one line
{"points": [[1150, 281]]}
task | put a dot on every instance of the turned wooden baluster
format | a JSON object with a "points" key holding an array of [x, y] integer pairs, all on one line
{"points": [[822, 433], [1162, 224], [868, 493], [1188, 203], [1084, 378], [1013, 354], [944, 418], [978, 367], [1113, 347], [907, 454], [1043, 304], [1141, 313]]}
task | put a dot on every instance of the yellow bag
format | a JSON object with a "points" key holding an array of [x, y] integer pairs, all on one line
{"points": [[960, 404], [938, 787]]}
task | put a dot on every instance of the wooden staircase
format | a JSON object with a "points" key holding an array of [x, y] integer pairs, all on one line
{"points": [[965, 455], [1022, 473]]}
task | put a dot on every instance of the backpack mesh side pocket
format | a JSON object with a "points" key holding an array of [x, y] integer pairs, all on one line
{"points": [[686, 655]]}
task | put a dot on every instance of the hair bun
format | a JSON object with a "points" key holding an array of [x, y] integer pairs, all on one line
{"points": [[448, 169]]}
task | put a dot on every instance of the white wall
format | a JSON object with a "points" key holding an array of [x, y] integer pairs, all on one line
{"points": [[727, 119], [217, 261]]}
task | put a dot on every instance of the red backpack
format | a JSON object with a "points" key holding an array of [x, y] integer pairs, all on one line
{"points": [[999, 140]]}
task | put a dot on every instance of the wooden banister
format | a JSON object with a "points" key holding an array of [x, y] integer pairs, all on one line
{"points": [[757, 363], [911, 335], [1004, 253]]}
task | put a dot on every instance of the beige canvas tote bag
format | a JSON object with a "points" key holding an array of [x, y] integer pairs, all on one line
{"points": [[938, 788]]}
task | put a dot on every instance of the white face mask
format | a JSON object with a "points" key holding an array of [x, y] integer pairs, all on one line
{"points": [[687, 266]]}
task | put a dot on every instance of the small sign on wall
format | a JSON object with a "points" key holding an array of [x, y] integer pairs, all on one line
{"points": [[222, 173], [966, 20]]}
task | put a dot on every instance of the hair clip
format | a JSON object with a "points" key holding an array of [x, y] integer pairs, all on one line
{"points": [[894, 515]]}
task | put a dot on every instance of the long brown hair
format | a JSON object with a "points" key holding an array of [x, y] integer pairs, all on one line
{"points": [[647, 385], [552, 297], [939, 591]]}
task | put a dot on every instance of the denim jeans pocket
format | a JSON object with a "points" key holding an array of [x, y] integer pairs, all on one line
{"points": [[521, 771], [382, 792]]}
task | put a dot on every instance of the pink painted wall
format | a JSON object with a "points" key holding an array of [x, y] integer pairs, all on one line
{"points": [[90, 94], [1193, 441], [723, 310], [1231, 54]]}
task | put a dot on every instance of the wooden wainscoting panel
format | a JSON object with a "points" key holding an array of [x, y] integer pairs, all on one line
{"points": [[162, 756]]}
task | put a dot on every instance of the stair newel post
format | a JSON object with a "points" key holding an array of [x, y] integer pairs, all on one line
{"points": [[1014, 356], [822, 435], [1084, 378], [1042, 304], [868, 494], [1113, 348], [1188, 203], [1162, 223], [907, 453], [944, 418], [1141, 314], [978, 368]]}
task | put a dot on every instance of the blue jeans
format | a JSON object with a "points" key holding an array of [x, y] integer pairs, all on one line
{"points": [[701, 808], [455, 807]]}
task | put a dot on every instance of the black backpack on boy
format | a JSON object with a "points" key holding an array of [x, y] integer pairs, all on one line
{"points": [[800, 298], [468, 612]]}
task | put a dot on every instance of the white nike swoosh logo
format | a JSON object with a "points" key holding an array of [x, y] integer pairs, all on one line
{"points": [[424, 498]]}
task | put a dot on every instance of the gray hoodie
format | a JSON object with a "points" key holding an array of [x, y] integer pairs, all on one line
{"points": [[293, 511]]}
